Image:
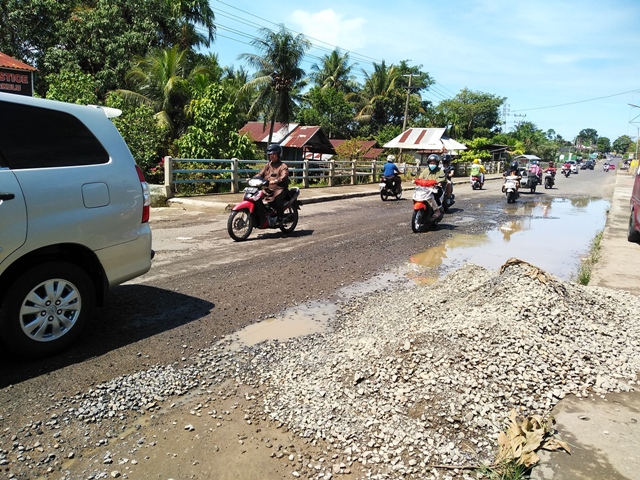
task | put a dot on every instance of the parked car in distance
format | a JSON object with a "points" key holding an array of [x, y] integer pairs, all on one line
{"points": [[590, 164], [625, 165], [74, 211]]}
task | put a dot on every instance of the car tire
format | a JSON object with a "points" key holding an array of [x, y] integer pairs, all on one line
{"points": [[632, 234], [46, 309]]}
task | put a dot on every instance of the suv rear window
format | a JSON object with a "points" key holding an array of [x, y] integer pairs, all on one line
{"points": [[32, 137]]}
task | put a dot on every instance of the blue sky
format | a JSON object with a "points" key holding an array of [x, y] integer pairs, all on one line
{"points": [[563, 65]]}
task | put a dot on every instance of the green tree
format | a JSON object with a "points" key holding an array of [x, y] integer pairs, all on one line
{"points": [[622, 144], [335, 72], [72, 86], [604, 145], [278, 74], [476, 114], [161, 80], [328, 108], [145, 137], [378, 90], [213, 132], [191, 16], [587, 137]]}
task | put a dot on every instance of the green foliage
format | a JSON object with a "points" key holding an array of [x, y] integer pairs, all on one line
{"points": [[622, 144], [471, 114], [386, 133], [603, 145], [145, 137], [328, 108], [72, 86], [213, 133]]}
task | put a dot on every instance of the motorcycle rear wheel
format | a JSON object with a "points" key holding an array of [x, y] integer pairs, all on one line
{"points": [[384, 194], [511, 197], [240, 224], [289, 220]]}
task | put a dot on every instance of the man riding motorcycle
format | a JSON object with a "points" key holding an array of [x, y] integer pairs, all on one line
{"points": [[535, 169], [513, 172], [391, 172], [478, 170], [277, 174], [434, 172]]}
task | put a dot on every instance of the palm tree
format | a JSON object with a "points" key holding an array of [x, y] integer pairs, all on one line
{"points": [[278, 74], [161, 80], [378, 86], [189, 14], [334, 72]]}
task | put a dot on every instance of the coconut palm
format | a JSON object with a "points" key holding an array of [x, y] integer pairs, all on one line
{"points": [[378, 87], [334, 72], [189, 14], [278, 74], [161, 80]]}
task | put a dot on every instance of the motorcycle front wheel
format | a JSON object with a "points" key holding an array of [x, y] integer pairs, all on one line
{"points": [[399, 194], [289, 220], [240, 224], [418, 220]]}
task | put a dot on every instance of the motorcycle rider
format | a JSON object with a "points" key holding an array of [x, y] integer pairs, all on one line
{"points": [[477, 170], [276, 173], [448, 170], [434, 172], [513, 172], [551, 169], [535, 169], [391, 172]]}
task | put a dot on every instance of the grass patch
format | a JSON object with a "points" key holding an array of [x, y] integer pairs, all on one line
{"points": [[584, 271]]}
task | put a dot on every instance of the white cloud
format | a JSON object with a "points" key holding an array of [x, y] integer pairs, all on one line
{"points": [[332, 28]]}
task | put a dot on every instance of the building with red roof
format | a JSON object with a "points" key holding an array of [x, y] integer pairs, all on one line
{"points": [[15, 76]]}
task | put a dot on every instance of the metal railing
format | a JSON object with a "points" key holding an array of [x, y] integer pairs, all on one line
{"points": [[304, 173]]}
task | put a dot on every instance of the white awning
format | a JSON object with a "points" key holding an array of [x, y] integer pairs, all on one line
{"points": [[424, 139]]}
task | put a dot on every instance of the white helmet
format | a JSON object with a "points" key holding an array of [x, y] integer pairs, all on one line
{"points": [[391, 158]]}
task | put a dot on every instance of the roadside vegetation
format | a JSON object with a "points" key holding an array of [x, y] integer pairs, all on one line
{"points": [[583, 277], [178, 101]]}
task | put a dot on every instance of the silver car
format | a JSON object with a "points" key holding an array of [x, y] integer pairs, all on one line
{"points": [[74, 210]]}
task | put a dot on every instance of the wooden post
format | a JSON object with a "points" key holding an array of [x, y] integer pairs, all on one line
{"points": [[373, 171], [353, 172], [168, 177], [235, 179]]}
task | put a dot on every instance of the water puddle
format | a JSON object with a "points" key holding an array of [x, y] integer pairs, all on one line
{"points": [[552, 235]]}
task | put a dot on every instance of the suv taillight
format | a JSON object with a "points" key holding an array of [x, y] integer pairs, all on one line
{"points": [[146, 194]]}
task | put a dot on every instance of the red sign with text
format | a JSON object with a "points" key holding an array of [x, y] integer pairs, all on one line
{"points": [[15, 81]]}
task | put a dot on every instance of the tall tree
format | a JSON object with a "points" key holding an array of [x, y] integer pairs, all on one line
{"points": [[587, 137], [379, 86], [161, 80], [189, 15], [478, 113], [328, 108], [335, 72], [278, 73]]}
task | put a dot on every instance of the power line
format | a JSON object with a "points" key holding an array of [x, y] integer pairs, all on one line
{"points": [[573, 103]]}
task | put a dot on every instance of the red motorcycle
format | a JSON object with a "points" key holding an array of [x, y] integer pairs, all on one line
{"points": [[252, 212]]}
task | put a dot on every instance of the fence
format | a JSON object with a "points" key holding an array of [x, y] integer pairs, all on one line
{"points": [[232, 173]]}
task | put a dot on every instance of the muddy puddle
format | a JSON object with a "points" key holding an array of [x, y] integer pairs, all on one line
{"points": [[553, 234]]}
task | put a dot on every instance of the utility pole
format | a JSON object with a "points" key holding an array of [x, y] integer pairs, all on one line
{"points": [[406, 110], [522, 115]]}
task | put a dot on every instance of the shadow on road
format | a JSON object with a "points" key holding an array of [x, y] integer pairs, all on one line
{"points": [[131, 313]]}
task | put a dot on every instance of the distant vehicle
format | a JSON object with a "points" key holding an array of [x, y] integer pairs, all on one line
{"points": [[625, 165], [590, 164], [573, 166]]}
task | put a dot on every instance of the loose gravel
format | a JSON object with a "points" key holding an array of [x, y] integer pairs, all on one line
{"points": [[412, 381]]}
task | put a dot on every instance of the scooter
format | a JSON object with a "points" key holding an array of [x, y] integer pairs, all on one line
{"points": [[390, 186], [252, 212], [510, 188], [566, 171], [549, 180], [605, 167], [475, 182], [426, 210]]}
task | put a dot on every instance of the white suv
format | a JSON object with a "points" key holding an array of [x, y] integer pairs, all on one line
{"points": [[74, 210]]}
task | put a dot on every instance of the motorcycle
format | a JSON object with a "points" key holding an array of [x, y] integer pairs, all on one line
{"points": [[510, 188], [549, 180], [475, 182], [388, 187], [425, 205], [566, 171], [252, 212], [605, 167]]}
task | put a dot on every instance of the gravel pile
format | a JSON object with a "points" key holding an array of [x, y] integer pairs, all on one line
{"points": [[409, 379]]}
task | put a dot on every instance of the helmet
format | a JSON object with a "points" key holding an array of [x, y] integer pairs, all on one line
{"points": [[274, 148], [551, 164], [433, 158], [446, 158], [514, 165], [534, 162], [476, 161], [391, 158]]}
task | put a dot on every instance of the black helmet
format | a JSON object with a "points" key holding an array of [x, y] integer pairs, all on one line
{"points": [[446, 158], [514, 165], [274, 148], [433, 158]]}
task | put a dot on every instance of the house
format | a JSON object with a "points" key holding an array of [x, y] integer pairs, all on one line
{"points": [[425, 141], [297, 141], [371, 150], [15, 76]]}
